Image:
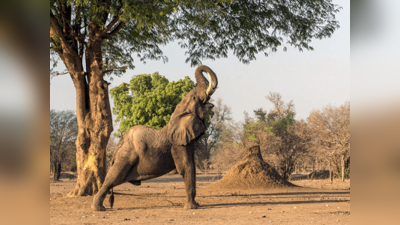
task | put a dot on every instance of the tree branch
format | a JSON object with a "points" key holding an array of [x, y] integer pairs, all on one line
{"points": [[111, 24], [62, 11], [109, 70], [114, 20], [55, 28], [58, 74], [80, 37], [115, 31]]}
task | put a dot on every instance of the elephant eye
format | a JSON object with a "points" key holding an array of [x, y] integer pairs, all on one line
{"points": [[194, 98]]}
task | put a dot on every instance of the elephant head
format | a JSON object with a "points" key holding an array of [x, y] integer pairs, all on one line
{"points": [[187, 121]]}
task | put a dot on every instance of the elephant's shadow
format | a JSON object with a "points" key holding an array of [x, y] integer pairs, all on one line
{"points": [[178, 178], [244, 202]]}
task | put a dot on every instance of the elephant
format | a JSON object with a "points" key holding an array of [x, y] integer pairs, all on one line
{"points": [[144, 153]]}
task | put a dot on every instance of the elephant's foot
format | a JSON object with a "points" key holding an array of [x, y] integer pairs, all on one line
{"points": [[98, 207], [191, 205]]}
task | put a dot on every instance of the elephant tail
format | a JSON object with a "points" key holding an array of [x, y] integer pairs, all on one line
{"points": [[111, 199]]}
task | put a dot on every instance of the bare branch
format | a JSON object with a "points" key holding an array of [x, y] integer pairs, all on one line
{"points": [[59, 74], [109, 70]]}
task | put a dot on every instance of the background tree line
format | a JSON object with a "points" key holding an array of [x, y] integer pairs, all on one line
{"points": [[288, 144], [322, 140], [63, 132]]}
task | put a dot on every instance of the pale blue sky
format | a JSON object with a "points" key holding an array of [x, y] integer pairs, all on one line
{"points": [[312, 79]]}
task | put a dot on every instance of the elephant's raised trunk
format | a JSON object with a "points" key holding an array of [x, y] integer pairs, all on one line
{"points": [[202, 82]]}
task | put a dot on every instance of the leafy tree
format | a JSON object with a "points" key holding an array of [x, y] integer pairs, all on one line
{"points": [[279, 134], [148, 100], [97, 38], [63, 131]]}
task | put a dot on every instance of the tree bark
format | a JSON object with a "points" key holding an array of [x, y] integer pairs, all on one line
{"points": [[57, 171], [93, 110], [343, 172], [94, 122], [92, 140]]}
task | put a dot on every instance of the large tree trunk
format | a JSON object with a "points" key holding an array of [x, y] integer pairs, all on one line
{"points": [[94, 122], [92, 140], [93, 111]]}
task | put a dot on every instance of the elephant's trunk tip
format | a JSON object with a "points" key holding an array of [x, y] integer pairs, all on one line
{"points": [[203, 82]]}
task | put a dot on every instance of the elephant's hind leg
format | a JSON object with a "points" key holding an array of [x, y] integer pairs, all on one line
{"points": [[115, 176]]}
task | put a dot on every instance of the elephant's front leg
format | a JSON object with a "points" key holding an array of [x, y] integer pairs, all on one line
{"points": [[184, 162]]}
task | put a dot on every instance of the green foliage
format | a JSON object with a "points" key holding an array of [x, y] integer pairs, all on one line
{"points": [[225, 133], [346, 173], [270, 125], [148, 100], [109, 155], [236, 143], [207, 29], [250, 130], [260, 114], [279, 125], [249, 27]]}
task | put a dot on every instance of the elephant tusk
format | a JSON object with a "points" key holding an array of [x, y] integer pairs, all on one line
{"points": [[209, 89]]}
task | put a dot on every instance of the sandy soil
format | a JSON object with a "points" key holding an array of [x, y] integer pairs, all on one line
{"points": [[160, 201]]}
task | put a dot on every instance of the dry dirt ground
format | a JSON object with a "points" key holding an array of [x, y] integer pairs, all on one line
{"points": [[161, 200]]}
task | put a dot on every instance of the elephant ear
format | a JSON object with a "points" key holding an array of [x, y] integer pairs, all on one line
{"points": [[185, 128]]}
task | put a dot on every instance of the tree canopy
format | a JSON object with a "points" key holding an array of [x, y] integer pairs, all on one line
{"points": [[208, 29], [148, 100]]}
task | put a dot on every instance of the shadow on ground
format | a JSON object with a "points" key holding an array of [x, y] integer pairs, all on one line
{"points": [[178, 178]]}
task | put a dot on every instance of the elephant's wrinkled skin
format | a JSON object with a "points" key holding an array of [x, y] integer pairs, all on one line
{"points": [[144, 153]]}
